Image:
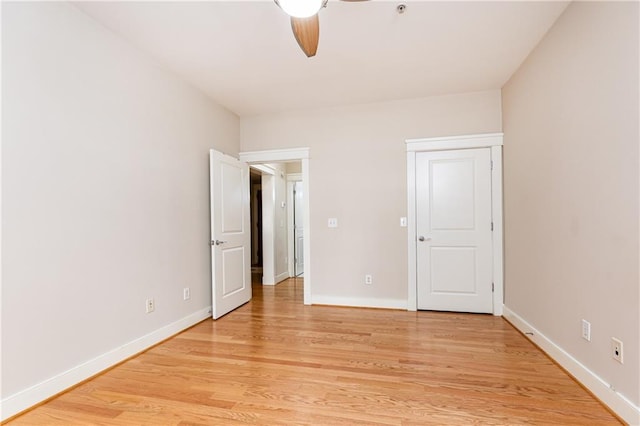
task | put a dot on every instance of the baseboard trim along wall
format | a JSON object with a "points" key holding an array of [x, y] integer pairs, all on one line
{"points": [[281, 277], [276, 280], [358, 302], [27, 398], [617, 402]]}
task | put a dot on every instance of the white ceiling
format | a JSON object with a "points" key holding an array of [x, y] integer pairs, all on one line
{"points": [[244, 56]]}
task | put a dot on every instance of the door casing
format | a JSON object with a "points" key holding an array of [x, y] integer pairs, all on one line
{"points": [[489, 140]]}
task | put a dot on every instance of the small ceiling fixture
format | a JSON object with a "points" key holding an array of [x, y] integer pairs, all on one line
{"points": [[301, 8]]}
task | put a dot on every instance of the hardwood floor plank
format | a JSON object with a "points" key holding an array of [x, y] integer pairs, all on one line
{"points": [[275, 361]]}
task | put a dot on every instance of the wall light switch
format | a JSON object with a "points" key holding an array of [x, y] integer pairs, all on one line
{"points": [[586, 330], [332, 222], [403, 222]]}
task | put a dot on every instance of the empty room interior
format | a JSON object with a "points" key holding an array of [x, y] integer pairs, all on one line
{"points": [[438, 203]]}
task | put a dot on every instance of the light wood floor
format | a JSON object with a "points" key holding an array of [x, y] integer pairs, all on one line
{"points": [[276, 361]]}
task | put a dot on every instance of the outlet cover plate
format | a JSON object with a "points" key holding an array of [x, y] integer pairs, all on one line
{"points": [[617, 350]]}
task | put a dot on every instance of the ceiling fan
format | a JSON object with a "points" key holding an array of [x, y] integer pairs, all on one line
{"points": [[304, 21]]}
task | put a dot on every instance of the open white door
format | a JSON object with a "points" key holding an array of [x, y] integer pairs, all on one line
{"points": [[230, 233]]}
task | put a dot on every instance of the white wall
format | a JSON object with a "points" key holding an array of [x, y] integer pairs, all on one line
{"points": [[571, 189], [358, 175], [281, 258], [104, 194], [274, 225]]}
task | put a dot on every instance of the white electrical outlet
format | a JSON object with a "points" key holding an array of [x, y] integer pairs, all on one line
{"points": [[616, 350], [368, 279], [586, 330], [150, 306], [332, 222], [186, 293]]}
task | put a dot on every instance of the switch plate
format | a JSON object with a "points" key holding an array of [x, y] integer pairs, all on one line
{"points": [[332, 222], [368, 279], [403, 222], [150, 306], [586, 330], [186, 293]]}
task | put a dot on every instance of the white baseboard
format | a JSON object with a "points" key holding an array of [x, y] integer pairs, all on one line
{"points": [[277, 279], [617, 402], [281, 277], [358, 302], [29, 397]]}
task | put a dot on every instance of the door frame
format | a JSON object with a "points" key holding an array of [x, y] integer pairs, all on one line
{"points": [[452, 143], [284, 155], [292, 178]]}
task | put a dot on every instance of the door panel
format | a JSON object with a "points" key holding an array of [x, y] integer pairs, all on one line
{"points": [[232, 182], [452, 197], [453, 224], [233, 277], [452, 270], [230, 233]]}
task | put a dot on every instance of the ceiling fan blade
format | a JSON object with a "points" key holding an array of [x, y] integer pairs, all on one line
{"points": [[307, 33]]}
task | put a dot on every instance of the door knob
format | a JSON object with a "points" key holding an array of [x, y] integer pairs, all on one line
{"points": [[421, 238], [217, 242]]}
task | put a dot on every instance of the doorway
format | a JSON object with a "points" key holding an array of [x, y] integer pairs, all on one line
{"points": [[300, 155], [256, 224]]}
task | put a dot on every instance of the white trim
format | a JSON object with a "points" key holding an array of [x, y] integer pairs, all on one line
{"points": [[412, 296], [281, 277], [450, 143], [454, 142], [29, 397], [496, 217], [358, 302], [276, 279], [274, 155], [617, 402], [294, 177], [264, 168], [294, 154], [306, 233], [290, 230]]}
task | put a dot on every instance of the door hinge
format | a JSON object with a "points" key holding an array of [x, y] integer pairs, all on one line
{"points": [[491, 164], [491, 226], [493, 287]]}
